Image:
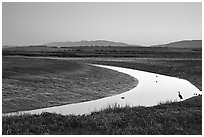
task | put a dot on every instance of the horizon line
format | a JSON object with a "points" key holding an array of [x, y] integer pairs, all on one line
{"points": [[102, 40]]}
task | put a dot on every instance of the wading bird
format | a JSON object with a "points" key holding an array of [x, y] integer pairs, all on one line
{"points": [[180, 95]]}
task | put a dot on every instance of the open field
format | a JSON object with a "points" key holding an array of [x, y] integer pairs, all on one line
{"points": [[185, 63], [189, 69], [185, 68], [30, 83], [171, 118], [97, 51]]}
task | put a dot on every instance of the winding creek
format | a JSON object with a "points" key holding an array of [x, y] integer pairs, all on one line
{"points": [[151, 89]]}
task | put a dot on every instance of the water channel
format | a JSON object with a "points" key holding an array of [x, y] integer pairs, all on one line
{"points": [[151, 89]]}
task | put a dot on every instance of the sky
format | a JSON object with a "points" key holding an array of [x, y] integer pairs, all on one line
{"points": [[133, 23]]}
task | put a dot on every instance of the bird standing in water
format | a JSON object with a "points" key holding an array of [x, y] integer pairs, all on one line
{"points": [[180, 96]]}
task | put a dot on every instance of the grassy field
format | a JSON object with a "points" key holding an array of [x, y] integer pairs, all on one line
{"points": [[178, 62], [171, 118], [189, 69], [166, 118], [31, 83], [185, 68], [97, 51]]}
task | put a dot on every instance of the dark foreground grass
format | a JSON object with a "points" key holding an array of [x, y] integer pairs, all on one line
{"points": [[170, 118]]}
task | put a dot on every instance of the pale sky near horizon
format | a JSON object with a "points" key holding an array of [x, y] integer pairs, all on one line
{"points": [[132, 23]]}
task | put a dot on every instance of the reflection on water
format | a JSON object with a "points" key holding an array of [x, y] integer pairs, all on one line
{"points": [[151, 89]]}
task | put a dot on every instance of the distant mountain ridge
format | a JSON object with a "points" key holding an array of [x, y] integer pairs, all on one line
{"points": [[178, 44], [88, 43], [182, 44]]}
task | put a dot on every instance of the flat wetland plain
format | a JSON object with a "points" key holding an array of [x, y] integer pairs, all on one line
{"points": [[31, 83], [45, 82]]}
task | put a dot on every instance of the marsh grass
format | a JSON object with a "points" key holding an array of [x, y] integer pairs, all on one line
{"points": [[188, 69], [33, 83], [167, 118], [167, 102]]}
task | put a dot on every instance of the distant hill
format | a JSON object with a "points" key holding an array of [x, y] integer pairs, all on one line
{"points": [[88, 43], [182, 44]]}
